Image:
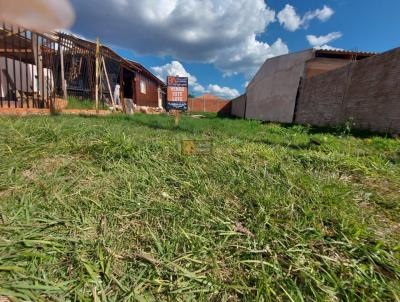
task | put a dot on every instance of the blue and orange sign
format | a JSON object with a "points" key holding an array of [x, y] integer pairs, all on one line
{"points": [[177, 93]]}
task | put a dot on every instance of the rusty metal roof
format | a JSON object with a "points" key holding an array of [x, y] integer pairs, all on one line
{"points": [[345, 52]]}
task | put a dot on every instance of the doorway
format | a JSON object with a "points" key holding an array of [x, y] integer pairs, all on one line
{"points": [[128, 84]]}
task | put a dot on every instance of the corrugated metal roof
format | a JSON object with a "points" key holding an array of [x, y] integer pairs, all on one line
{"points": [[345, 52]]}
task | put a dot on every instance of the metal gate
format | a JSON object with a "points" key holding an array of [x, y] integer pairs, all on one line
{"points": [[28, 68]]}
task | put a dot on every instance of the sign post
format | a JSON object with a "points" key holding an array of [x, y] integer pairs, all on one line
{"points": [[177, 95], [177, 117]]}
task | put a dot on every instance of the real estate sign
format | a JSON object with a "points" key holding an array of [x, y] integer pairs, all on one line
{"points": [[177, 93]]}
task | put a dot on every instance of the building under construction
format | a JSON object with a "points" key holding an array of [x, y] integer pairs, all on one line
{"points": [[271, 94], [38, 68], [326, 88], [28, 68]]}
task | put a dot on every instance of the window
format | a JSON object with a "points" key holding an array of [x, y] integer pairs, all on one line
{"points": [[142, 86]]}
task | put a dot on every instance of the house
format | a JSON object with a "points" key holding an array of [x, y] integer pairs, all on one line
{"points": [[149, 90], [37, 68], [137, 84]]}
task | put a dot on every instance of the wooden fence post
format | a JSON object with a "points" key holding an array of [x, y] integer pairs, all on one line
{"points": [[97, 72], [63, 83], [108, 83]]}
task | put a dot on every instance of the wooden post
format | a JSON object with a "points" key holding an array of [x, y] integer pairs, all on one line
{"points": [[37, 54], [121, 90], [100, 81], [159, 97], [108, 83], [177, 117], [63, 83], [97, 72]]}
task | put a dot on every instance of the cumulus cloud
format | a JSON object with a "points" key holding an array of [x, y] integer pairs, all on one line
{"points": [[289, 18], [175, 68], [322, 41], [223, 92], [323, 14], [248, 57], [291, 21], [219, 32]]}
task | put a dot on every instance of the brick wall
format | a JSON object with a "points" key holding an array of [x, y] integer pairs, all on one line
{"points": [[196, 105], [226, 109], [366, 92], [320, 98], [317, 66], [209, 104]]}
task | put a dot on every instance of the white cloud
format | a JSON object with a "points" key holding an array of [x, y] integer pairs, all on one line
{"points": [[197, 88], [248, 57], [219, 32], [323, 14], [292, 21], [175, 68], [223, 92], [322, 41], [289, 18]]}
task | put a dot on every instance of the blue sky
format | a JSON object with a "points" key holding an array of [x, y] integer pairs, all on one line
{"points": [[221, 43]]}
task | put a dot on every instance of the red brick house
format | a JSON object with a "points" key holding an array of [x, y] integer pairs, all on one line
{"points": [[148, 90]]}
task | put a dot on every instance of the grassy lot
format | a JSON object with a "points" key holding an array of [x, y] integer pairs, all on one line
{"points": [[74, 103], [107, 209]]}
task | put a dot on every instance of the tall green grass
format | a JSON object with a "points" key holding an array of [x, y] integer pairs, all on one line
{"points": [[84, 104], [107, 209]]}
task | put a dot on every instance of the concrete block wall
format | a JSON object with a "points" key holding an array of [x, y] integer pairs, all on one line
{"points": [[238, 106], [271, 95], [366, 92]]}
